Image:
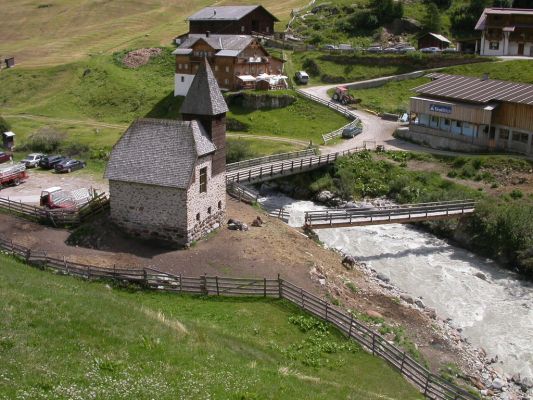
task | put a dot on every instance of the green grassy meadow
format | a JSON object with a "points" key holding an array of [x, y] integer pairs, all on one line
{"points": [[64, 338], [394, 96], [43, 33]]}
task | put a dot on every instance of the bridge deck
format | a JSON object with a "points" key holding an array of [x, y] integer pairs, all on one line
{"points": [[390, 215]]}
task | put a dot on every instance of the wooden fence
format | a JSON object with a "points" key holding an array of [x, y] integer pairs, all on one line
{"points": [[55, 217], [242, 193], [328, 103], [405, 213], [338, 133], [268, 159], [431, 385], [289, 167]]}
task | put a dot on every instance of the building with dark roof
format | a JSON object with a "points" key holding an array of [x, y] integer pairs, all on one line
{"points": [[472, 114], [433, 40], [237, 61], [506, 32], [167, 178], [233, 20]]}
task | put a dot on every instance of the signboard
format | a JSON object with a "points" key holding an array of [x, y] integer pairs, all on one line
{"points": [[440, 108]]}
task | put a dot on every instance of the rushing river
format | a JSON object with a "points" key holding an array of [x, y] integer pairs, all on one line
{"points": [[495, 314]]}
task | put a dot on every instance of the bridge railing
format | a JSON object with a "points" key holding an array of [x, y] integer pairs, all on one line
{"points": [[268, 159], [265, 172], [350, 215]]}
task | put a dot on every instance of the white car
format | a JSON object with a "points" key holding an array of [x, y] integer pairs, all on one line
{"points": [[430, 50], [32, 160]]}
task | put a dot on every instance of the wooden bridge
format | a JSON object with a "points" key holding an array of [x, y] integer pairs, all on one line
{"points": [[402, 214], [267, 170]]}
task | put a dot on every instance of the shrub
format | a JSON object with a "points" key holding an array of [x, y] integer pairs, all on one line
{"points": [[45, 140], [74, 149], [311, 67], [238, 151], [4, 125], [516, 194]]}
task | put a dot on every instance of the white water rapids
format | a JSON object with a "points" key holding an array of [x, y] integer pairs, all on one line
{"points": [[495, 314]]}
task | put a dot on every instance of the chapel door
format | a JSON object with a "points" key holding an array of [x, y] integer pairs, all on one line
{"points": [[520, 49]]}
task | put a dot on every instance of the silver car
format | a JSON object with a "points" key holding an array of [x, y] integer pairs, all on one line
{"points": [[32, 160]]}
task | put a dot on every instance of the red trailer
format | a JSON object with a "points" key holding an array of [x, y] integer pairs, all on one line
{"points": [[13, 175]]}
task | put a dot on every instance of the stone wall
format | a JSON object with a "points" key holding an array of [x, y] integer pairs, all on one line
{"points": [[170, 215], [438, 142], [149, 212], [262, 101], [210, 205]]}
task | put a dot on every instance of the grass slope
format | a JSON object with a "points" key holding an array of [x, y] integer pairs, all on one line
{"points": [[394, 96], [52, 32], [66, 338], [95, 100]]}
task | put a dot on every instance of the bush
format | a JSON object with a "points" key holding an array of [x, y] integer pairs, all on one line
{"points": [[516, 194], [239, 151], [45, 140], [74, 149], [4, 125], [311, 67]]}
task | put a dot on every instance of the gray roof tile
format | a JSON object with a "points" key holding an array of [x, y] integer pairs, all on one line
{"points": [[158, 152], [218, 42], [224, 13], [204, 96]]}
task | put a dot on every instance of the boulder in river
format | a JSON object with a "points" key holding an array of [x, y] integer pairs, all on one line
{"points": [[481, 275], [497, 384], [324, 196], [408, 299], [381, 276], [419, 303]]}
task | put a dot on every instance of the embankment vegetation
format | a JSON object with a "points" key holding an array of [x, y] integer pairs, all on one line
{"points": [[67, 338], [394, 97], [502, 225]]}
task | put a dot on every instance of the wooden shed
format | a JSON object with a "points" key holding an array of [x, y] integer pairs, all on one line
{"points": [[8, 140], [433, 40]]}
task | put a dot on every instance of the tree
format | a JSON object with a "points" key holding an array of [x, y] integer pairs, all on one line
{"points": [[522, 4], [442, 4], [464, 18], [432, 19], [4, 126]]}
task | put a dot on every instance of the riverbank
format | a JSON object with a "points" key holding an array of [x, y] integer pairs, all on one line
{"points": [[396, 256]]}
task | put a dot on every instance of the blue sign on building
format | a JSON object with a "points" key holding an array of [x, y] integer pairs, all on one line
{"points": [[440, 109]]}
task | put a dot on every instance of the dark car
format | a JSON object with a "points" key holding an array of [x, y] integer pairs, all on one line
{"points": [[49, 162], [69, 165], [4, 157], [351, 131]]}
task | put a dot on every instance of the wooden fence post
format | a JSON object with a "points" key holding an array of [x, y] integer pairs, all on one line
{"points": [[327, 311], [145, 277], [88, 272], [351, 324], [216, 280], [180, 284], [373, 343], [280, 294], [403, 361], [28, 255], [302, 295], [203, 284], [264, 287], [427, 383]]}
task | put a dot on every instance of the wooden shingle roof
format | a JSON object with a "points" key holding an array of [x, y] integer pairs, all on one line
{"points": [[204, 96], [225, 13], [159, 152]]}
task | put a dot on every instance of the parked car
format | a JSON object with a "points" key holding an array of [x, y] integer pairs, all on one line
{"points": [[406, 49], [49, 162], [345, 47], [450, 50], [391, 50], [374, 49], [329, 47], [351, 131], [4, 157], [301, 77], [32, 160], [69, 165], [430, 50]]}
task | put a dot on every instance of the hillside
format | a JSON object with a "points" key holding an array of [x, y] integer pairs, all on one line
{"points": [[66, 338], [52, 32]]}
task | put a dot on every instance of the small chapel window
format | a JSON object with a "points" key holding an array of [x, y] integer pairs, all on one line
{"points": [[203, 180]]}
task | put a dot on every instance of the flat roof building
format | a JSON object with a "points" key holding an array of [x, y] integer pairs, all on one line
{"points": [[472, 114]]}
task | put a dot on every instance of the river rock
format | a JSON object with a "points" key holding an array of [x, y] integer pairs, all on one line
{"points": [[481, 275], [383, 277], [373, 314], [431, 312], [516, 378], [324, 196], [419, 303], [526, 382], [408, 299], [497, 384]]}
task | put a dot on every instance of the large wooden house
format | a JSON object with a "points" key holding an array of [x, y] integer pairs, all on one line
{"points": [[237, 61], [506, 32], [233, 20]]}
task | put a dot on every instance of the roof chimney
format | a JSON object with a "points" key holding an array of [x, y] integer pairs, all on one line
{"points": [[485, 77], [207, 33]]}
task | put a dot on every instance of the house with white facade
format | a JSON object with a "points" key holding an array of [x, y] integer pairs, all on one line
{"points": [[167, 178], [506, 32]]}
